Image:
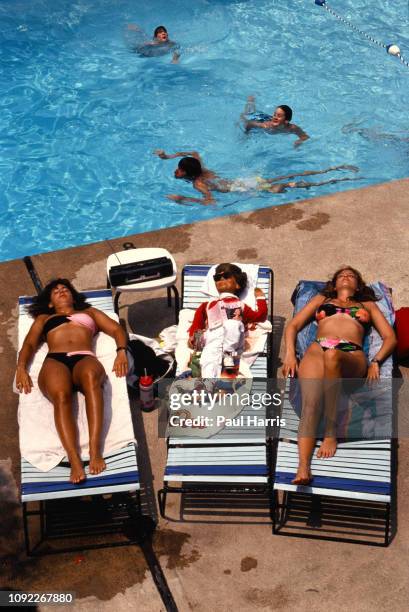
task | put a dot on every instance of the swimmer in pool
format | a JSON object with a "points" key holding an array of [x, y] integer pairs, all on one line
{"points": [[160, 45], [206, 181], [373, 134], [279, 123]]}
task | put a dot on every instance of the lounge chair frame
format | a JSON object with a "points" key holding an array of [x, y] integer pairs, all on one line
{"points": [[62, 520], [305, 512], [310, 512], [83, 512], [226, 483]]}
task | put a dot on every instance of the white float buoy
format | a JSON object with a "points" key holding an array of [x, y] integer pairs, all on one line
{"points": [[393, 50]]}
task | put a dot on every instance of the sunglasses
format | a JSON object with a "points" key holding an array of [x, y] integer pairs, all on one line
{"points": [[220, 275]]}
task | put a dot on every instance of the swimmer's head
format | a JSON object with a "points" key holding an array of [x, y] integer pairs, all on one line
{"points": [[188, 168], [282, 115], [229, 278], [161, 34]]}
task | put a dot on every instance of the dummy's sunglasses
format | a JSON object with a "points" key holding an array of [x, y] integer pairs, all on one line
{"points": [[220, 275]]}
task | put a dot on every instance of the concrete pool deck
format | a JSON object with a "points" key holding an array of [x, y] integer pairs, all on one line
{"points": [[211, 566]]}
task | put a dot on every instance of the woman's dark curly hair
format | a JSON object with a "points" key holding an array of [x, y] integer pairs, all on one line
{"points": [[41, 303], [236, 272], [363, 293]]}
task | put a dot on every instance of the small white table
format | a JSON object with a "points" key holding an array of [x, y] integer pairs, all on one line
{"points": [[132, 255]]}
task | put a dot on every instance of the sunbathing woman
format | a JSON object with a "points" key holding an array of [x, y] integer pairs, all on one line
{"points": [[343, 312], [205, 181], [67, 323]]}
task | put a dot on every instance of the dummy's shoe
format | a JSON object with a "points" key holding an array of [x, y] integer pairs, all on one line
{"points": [[228, 361], [186, 374]]}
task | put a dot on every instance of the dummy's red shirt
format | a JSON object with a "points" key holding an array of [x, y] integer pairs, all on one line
{"points": [[248, 315]]}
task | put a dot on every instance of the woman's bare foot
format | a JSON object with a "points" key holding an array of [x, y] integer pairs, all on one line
{"points": [[96, 464], [303, 476], [328, 448], [77, 470]]}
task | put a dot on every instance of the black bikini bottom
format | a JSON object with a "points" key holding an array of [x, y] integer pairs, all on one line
{"points": [[68, 360]]}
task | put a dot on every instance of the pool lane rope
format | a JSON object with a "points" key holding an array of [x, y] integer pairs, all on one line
{"points": [[392, 49]]}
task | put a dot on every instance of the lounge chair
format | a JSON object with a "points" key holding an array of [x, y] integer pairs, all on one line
{"points": [[232, 460], [53, 508], [351, 494]]}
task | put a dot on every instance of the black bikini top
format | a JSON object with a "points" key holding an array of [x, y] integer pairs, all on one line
{"points": [[54, 322], [355, 312], [79, 318]]}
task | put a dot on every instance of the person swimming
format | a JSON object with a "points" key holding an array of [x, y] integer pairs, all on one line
{"points": [[192, 169], [278, 123], [158, 46], [373, 134]]}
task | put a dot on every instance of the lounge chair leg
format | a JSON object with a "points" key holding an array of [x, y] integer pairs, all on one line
{"points": [[42, 519], [177, 301], [314, 518], [26, 531], [116, 302], [138, 502], [284, 508], [162, 501], [274, 510], [387, 524]]}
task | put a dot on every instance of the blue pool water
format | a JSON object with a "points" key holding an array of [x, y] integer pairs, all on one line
{"points": [[80, 114]]}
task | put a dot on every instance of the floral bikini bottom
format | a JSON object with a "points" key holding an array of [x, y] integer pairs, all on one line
{"points": [[338, 343]]}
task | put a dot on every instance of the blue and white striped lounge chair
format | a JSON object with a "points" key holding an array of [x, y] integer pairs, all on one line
{"points": [[351, 494], [233, 460], [64, 510]]}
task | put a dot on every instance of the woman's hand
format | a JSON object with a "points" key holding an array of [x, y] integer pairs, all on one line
{"points": [[290, 367], [24, 383], [121, 364], [373, 372]]}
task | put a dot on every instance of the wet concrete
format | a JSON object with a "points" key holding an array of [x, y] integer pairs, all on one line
{"points": [[209, 566]]}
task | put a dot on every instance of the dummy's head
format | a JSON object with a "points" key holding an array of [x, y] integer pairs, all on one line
{"points": [[229, 278]]}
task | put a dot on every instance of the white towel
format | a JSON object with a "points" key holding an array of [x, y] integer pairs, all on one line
{"points": [[256, 341], [248, 297], [39, 440]]}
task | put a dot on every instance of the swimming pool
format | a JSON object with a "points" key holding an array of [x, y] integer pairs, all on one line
{"points": [[81, 113]]}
